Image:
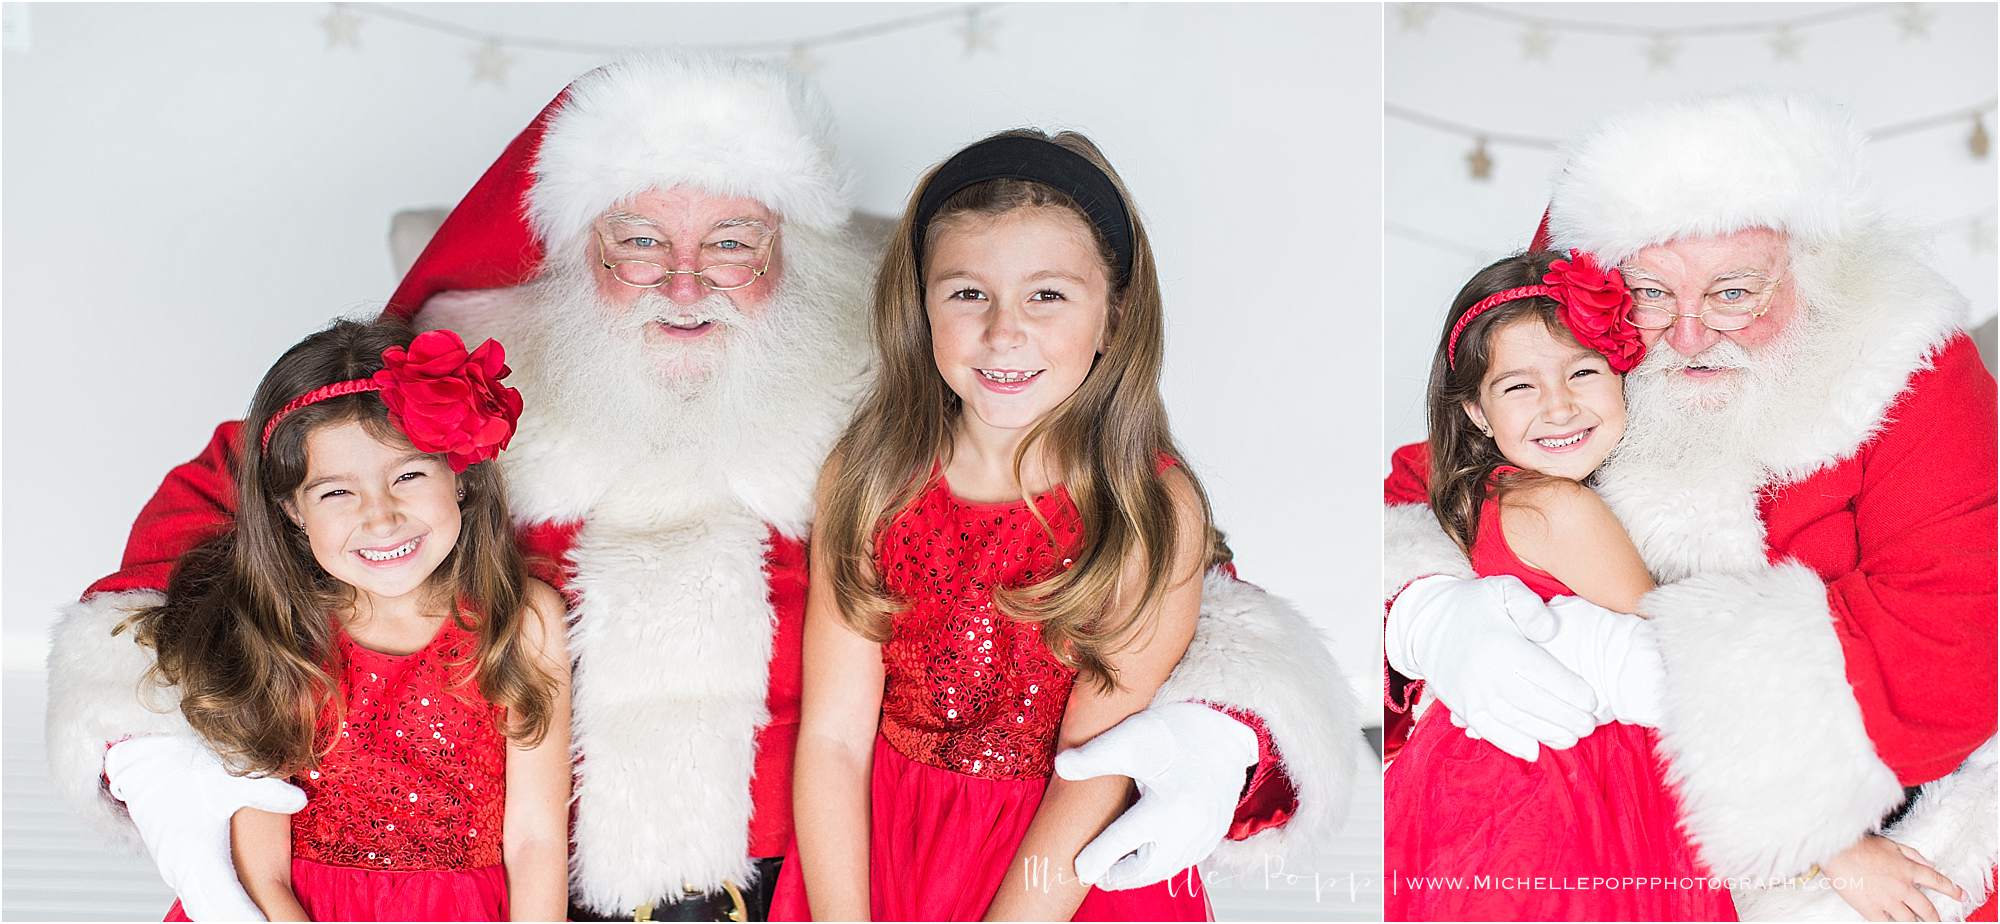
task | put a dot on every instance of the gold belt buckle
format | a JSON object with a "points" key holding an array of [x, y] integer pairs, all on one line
{"points": [[739, 913]]}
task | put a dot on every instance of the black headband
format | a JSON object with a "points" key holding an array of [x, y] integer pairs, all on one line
{"points": [[1023, 158]]}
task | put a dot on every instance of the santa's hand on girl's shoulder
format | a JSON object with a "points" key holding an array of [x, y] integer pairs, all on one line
{"points": [[181, 798], [1473, 642], [1188, 761], [1616, 654]]}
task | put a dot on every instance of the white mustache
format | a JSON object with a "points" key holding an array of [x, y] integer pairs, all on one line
{"points": [[652, 306], [1725, 354]]}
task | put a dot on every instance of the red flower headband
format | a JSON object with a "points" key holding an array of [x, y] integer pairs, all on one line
{"points": [[1593, 300], [443, 398]]}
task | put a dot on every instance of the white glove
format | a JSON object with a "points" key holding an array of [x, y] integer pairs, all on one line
{"points": [[1616, 654], [1189, 761], [1474, 643], [181, 799]]}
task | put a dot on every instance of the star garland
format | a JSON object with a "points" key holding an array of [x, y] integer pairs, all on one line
{"points": [[493, 53], [1660, 45], [1480, 161]]}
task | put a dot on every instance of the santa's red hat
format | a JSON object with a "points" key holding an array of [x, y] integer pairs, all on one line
{"points": [[724, 126], [1706, 168]]}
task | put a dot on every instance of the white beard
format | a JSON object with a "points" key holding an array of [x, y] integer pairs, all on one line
{"points": [[1686, 477], [742, 417]]}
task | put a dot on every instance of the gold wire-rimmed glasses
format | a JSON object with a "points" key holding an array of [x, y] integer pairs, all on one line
{"points": [[718, 277], [1736, 305]]}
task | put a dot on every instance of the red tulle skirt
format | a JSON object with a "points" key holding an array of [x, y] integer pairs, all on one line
{"points": [[1591, 833], [941, 842], [344, 893]]}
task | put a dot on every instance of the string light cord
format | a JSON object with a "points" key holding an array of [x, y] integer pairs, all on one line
{"points": [[837, 36], [1439, 123]]}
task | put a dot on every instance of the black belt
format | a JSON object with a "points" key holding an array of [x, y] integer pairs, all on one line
{"points": [[732, 902]]}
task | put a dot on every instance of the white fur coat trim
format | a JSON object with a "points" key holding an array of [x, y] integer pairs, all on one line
{"points": [[672, 643], [96, 696], [1764, 740], [1953, 824], [1254, 651], [1414, 545], [732, 127], [1886, 312], [1709, 167]]}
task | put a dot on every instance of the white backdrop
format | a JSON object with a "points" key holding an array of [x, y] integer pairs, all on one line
{"points": [[189, 189], [1477, 71]]}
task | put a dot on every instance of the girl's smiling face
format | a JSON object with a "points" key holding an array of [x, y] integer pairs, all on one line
{"points": [[380, 517], [1019, 308], [1551, 405]]}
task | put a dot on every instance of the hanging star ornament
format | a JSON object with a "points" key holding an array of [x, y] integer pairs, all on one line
{"points": [[1785, 44], [1535, 43], [490, 63], [1480, 162], [977, 36], [1915, 20], [1414, 16], [342, 27], [1660, 52]]}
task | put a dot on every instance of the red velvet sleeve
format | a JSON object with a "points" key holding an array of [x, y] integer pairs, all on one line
{"points": [[1268, 798], [1408, 483], [195, 503], [1915, 618], [1409, 475], [546, 547]]}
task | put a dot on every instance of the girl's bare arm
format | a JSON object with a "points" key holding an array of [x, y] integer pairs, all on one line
{"points": [[1568, 531], [535, 841], [261, 844], [840, 712], [1041, 884]]}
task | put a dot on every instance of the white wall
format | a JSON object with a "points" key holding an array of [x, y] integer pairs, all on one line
{"points": [[1473, 70]]}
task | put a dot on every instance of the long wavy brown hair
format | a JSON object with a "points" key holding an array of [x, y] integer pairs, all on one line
{"points": [[1462, 458], [247, 631], [1104, 442]]}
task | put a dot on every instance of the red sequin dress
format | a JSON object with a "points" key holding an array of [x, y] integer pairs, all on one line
{"points": [[403, 816], [971, 705], [1591, 833]]}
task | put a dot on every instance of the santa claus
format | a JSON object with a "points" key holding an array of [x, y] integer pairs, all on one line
{"points": [[1814, 491], [663, 476]]}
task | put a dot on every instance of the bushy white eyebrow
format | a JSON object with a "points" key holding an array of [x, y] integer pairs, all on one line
{"points": [[630, 218], [1638, 275]]}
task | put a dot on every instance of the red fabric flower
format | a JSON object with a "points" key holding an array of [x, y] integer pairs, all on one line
{"points": [[450, 401], [1594, 303]]}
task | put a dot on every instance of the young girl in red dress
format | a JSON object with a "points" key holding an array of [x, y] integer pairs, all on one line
{"points": [[1522, 410], [1526, 402], [1006, 557], [366, 628]]}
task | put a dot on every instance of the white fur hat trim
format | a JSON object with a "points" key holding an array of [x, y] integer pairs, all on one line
{"points": [[730, 127], [1711, 167]]}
